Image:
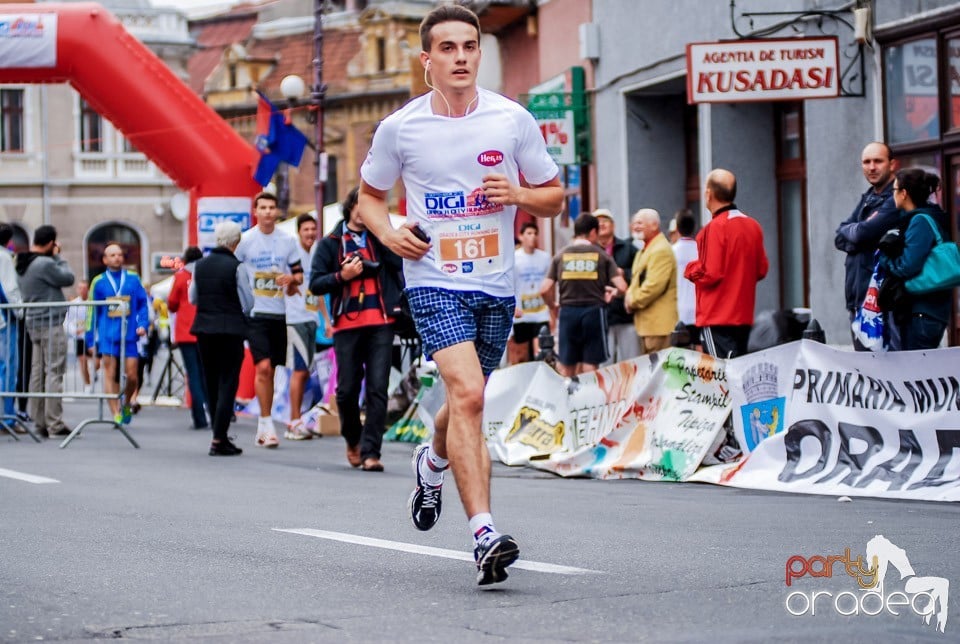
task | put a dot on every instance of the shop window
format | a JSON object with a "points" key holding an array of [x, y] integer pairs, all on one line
{"points": [[910, 78], [953, 66]]}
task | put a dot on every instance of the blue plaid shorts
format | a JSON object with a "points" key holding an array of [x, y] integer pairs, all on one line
{"points": [[445, 318]]}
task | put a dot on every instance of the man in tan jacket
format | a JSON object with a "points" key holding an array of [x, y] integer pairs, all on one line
{"points": [[652, 296]]}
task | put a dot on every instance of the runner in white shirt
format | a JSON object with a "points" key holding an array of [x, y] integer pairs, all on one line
{"points": [[459, 151], [273, 263], [530, 266], [302, 314]]}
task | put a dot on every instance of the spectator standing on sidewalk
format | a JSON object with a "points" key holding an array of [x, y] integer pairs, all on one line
{"points": [[76, 327], [220, 289], [858, 235], [685, 251], [43, 276], [652, 296], [731, 261], [9, 321], [178, 302], [622, 341]]}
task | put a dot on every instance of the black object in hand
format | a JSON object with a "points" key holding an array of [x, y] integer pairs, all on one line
{"points": [[370, 267], [419, 234], [891, 244]]}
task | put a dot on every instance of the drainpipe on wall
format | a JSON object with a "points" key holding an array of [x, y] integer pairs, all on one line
{"points": [[45, 172]]}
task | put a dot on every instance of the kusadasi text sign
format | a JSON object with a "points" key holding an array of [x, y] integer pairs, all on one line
{"points": [[763, 70]]}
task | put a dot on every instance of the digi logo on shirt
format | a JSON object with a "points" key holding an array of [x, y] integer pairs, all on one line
{"points": [[444, 204]]}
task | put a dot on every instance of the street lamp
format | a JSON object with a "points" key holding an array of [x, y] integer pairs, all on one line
{"points": [[292, 88]]}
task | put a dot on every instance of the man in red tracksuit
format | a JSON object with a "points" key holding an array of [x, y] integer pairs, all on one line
{"points": [[731, 260]]}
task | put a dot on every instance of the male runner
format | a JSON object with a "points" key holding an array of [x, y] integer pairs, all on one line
{"points": [[273, 262], [459, 151]]}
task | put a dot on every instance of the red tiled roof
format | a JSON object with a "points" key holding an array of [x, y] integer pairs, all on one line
{"points": [[213, 37], [294, 55]]}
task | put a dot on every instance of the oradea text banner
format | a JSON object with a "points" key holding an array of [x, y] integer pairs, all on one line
{"points": [[864, 424], [652, 417], [28, 40], [763, 70]]}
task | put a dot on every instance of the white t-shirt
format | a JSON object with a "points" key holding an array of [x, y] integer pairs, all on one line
{"points": [[685, 250], [267, 257], [303, 307], [441, 161], [529, 271]]}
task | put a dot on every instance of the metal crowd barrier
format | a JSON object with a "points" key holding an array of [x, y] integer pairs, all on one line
{"points": [[61, 324]]}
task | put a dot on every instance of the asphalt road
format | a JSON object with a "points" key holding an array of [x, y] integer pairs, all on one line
{"points": [[166, 543]]}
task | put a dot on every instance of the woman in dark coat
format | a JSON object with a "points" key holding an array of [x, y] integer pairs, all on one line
{"points": [[921, 318], [221, 291]]}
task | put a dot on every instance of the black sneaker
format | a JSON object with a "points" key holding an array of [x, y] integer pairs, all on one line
{"points": [[425, 502], [493, 557], [224, 448]]}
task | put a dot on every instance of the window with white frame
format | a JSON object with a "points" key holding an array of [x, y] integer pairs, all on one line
{"points": [[11, 120], [104, 151], [91, 129]]}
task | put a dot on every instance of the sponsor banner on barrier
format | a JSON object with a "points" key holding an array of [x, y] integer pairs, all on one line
{"points": [[862, 424], [28, 40], [525, 413], [652, 418], [759, 385]]}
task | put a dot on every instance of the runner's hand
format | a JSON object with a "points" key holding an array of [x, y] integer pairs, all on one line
{"points": [[498, 189], [404, 243]]}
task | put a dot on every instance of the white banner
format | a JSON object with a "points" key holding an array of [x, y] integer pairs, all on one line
{"points": [[650, 418], [213, 210], [862, 424], [28, 40], [763, 70]]}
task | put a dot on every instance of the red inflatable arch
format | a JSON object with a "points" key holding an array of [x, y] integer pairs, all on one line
{"points": [[86, 46]]}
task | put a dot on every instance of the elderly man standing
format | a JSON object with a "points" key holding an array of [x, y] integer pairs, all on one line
{"points": [[622, 341], [731, 260], [652, 296], [43, 276]]}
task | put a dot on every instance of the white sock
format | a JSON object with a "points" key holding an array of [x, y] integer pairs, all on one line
{"points": [[481, 526], [432, 468], [265, 425]]}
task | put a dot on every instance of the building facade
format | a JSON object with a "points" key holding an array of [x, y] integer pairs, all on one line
{"points": [[797, 162], [61, 163]]}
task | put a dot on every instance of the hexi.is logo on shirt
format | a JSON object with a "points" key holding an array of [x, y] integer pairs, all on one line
{"points": [[490, 158]]}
